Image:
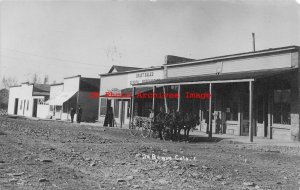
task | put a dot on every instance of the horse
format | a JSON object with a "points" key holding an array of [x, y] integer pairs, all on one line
{"points": [[179, 123], [189, 122]]}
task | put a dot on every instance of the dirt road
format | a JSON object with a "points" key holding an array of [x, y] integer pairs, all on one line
{"points": [[57, 155]]}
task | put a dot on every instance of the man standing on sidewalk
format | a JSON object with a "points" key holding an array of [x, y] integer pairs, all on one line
{"points": [[79, 114], [73, 111]]}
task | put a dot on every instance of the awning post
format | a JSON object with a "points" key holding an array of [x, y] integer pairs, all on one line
{"points": [[153, 99], [132, 104], [165, 100], [178, 103], [250, 111], [209, 116]]}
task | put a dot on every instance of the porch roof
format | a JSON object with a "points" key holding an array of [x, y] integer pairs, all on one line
{"points": [[123, 94], [61, 98], [222, 78]]}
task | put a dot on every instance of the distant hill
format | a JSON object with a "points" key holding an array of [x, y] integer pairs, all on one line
{"points": [[4, 93]]}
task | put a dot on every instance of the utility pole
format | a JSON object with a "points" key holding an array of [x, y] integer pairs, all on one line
{"points": [[253, 39]]}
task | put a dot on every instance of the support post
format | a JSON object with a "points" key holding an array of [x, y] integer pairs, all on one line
{"points": [[251, 111], [179, 98], [253, 38], [209, 116], [165, 100], [153, 99], [132, 105], [122, 113]]}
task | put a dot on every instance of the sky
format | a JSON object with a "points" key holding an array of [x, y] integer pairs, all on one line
{"points": [[67, 38]]}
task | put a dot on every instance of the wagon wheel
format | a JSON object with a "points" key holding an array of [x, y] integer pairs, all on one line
{"points": [[146, 129], [133, 128]]}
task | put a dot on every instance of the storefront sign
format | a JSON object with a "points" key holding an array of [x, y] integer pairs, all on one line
{"points": [[142, 77]]}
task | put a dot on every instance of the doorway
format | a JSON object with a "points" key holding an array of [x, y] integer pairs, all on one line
{"points": [[266, 121], [245, 114], [16, 106], [34, 112]]}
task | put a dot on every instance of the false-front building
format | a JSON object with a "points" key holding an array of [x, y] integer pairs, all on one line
{"points": [[116, 87], [75, 91], [25, 99], [257, 89]]}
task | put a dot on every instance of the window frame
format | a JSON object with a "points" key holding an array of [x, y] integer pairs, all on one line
{"points": [[103, 106], [116, 108], [279, 112]]}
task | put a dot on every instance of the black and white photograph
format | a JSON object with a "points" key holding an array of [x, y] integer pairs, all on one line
{"points": [[150, 94]]}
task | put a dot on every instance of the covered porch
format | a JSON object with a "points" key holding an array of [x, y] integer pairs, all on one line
{"points": [[257, 103]]}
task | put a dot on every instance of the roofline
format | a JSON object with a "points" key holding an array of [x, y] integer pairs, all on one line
{"points": [[89, 78], [27, 84], [205, 82], [57, 84], [133, 71], [15, 86], [72, 77], [113, 66], [238, 55], [196, 82]]}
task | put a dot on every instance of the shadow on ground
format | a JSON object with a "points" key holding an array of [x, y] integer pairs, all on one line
{"points": [[197, 139]]}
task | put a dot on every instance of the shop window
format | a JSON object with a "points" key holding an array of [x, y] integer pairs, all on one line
{"points": [[65, 108], [103, 106], [282, 107], [58, 108], [232, 112], [260, 110], [116, 108]]}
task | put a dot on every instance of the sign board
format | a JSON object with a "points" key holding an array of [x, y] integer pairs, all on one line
{"points": [[146, 76]]}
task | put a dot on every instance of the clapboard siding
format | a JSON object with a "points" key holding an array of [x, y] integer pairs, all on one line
{"points": [[259, 63], [244, 64], [192, 70]]}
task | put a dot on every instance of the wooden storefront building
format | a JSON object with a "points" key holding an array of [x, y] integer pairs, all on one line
{"points": [[252, 93]]}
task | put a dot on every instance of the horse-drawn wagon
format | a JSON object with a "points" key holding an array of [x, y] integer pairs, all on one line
{"points": [[165, 126]]}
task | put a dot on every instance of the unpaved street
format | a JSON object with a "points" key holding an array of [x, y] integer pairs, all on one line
{"points": [[57, 155]]}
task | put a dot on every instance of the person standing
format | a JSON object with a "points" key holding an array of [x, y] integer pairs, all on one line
{"points": [[110, 116], [160, 118], [218, 124], [79, 114], [72, 112]]}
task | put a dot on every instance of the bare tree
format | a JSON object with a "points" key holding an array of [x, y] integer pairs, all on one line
{"points": [[9, 81], [36, 79], [46, 79]]}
